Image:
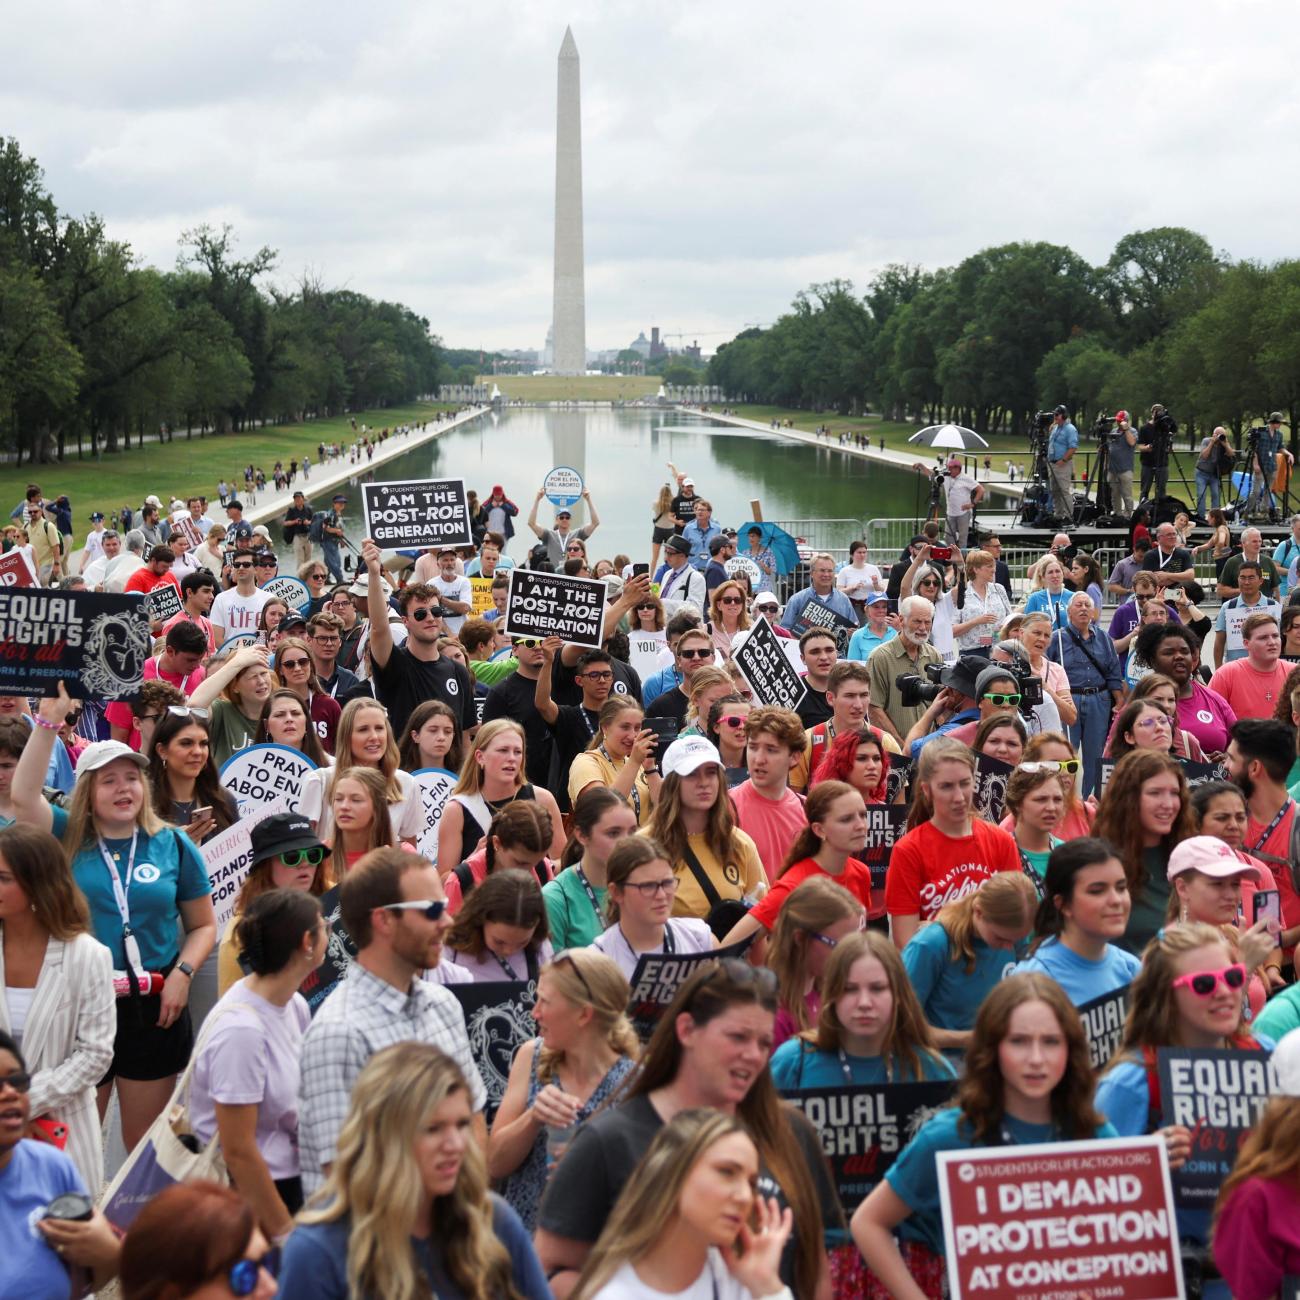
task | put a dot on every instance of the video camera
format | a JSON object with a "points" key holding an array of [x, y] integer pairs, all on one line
{"points": [[1043, 420], [1162, 422], [1103, 426], [914, 690], [1031, 687]]}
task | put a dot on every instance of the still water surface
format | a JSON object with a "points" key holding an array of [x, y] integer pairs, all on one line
{"points": [[623, 456]]}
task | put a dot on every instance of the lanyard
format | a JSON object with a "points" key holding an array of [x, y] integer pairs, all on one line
{"points": [[636, 797], [1272, 826], [848, 1073], [591, 893], [669, 944], [185, 681], [587, 722], [120, 896], [505, 965]]}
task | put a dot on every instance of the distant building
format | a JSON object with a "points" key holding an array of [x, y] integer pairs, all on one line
{"points": [[657, 346], [640, 344]]}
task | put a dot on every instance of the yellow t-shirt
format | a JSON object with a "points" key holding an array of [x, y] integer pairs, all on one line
{"points": [[229, 970], [592, 767], [741, 877]]}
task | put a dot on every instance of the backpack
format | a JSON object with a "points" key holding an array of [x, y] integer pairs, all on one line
{"points": [[464, 873], [316, 531]]}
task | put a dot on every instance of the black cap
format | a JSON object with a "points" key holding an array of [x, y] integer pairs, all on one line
{"points": [[282, 833], [963, 675], [1059, 410], [678, 544], [243, 529]]}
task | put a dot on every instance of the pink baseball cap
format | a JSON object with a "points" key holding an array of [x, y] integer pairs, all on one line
{"points": [[1211, 857]]}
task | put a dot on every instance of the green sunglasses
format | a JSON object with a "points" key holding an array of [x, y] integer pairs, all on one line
{"points": [[999, 698], [297, 857]]}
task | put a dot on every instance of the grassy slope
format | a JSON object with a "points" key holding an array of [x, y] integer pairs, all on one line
{"points": [[188, 467]]}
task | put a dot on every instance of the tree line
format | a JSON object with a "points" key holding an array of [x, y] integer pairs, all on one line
{"points": [[1023, 326], [95, 347]]}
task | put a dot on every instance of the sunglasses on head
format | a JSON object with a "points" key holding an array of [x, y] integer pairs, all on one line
{"points": [[1070, 765], [303, 857], [188, 711], [567, 959], [244, 1273], [1204, 982], [430, 908]]}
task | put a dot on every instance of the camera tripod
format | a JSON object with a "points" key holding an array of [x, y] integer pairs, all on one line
{"points": [[1163, 453], [1239, 509], [1036, 497]]}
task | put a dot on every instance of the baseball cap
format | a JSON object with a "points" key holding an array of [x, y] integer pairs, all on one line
{"points": [[153, 501], [876, 597], [955, 460], [688, 481], [102, 752], [564, 514], [1121, 415], [766, 600], [339, 496], [243, 529], [96, 517], [1286, 1064], [361, 585], [497, 490], [282, 833], [1203, 853], [687, 754]]}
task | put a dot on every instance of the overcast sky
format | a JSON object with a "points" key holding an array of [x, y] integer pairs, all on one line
{"points": [[734, 150]]}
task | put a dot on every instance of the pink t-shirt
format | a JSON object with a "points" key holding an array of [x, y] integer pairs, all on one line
{"points": [[1257, 1237], [1208, 716], [773, 824], [119, 714], [1249, 692]]}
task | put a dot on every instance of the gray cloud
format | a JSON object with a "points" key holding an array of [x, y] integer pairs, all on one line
{"points": [[733, 151]]}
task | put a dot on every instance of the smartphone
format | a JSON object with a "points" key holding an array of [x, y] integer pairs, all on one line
{"points": [[1267, 906], [56, 1134], [891, 604], [72, 1207], [666, 729], [197, 814], [639, 569], [940, 553]]}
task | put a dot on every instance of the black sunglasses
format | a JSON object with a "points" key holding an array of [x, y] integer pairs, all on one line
{"points": [[19, 1081], [419, 615]]}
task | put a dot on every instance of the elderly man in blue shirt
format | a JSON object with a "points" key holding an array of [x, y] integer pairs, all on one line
{"points": [[700, 533], [1096, 681], [821, 575], [1062, 443]]}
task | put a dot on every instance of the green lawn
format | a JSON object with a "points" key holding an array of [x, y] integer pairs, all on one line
{"points": [[574, 388], [188, 467]]}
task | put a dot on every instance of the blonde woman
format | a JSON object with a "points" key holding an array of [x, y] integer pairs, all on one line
{"points": [[406, 1211], [664, 525], [728, 614], [620, 756], [1035, 634], [491, 777], [585, 1048], [709, 684]]}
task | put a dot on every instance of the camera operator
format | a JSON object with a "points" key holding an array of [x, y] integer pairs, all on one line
{"points": [[1062, 443], [907, 654], [1119, 465], [1268, 447], [1040, 717], [1213, 462], [1154, 439], [962, 493], [994, 689]]}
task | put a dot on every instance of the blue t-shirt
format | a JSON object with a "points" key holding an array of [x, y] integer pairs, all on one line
{"points": [[798, 1064], [864, 641], [914, 1176], [168, 871], [314, 1265], [1043, 601], [1081, 978], [949, 995], [35, 1175], [657, 683]]}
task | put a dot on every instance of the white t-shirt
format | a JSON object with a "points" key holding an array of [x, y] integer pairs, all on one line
{"points": [[688, 935], [959, 491], [457, 589], [236, 613], [119, 570], [407, 815], [857, 582], [714, 1283]]}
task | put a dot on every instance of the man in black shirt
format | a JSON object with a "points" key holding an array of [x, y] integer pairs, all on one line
{"points": [[297, 529], [893, 588], [684, 505], [573, 726], [513, 697], [409, 674], [694, 650], [820, 653]]}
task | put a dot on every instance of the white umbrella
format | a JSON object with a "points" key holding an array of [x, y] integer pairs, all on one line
{"points": [[948, 436]]}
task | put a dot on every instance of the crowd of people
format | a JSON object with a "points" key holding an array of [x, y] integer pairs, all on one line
{"points": [[606, 806]]}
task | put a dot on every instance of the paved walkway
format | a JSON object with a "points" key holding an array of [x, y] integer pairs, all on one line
{"points": [[899, 459]]}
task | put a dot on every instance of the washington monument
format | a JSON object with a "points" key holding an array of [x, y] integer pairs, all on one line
{"points": [[569, 313]]}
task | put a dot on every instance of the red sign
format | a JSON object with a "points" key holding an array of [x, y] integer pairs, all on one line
{"points": [[15, 571], [1067, 1220]]}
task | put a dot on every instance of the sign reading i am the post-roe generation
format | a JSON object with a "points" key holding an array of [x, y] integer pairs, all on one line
{"points": [[418, 513], [551, 604]]}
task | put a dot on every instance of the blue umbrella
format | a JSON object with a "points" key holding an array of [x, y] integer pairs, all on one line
{"points": [[779, 542]]}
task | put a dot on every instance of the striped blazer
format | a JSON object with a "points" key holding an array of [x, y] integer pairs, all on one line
{"points": [[68, 1043]]}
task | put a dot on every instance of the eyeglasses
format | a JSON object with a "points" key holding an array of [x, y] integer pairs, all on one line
{"points": [[295, 663], [244, 1273], [1070, 765], [419, 615], [695, 654], [649, 888], [1001, 697], [732, 600], [325, 638], [186, 711], [19, 1081], [1151, 723], [1204, 982], [303, 857], [818, 937], [605, 676], [430, 908], [733, 721]]}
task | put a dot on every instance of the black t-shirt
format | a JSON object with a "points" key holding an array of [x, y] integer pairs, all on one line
{"points": [[405, 681], [565, 688], [585, 1185], [1179, 559], [814, 708], [671, 704], [1147, 438], [297, 521], [684, 508], [512, 697], [573, 731], [894, 586]]}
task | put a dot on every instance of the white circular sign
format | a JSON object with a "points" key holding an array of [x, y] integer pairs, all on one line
{"points": [[289, 589], [563, 486], [435, 784], [262, 773], [739, 564]]}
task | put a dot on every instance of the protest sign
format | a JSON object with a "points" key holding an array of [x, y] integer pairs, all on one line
{"points": [[817, 614], [658, 976], [646, 652], [185, 525], [261, 773], [742, 566], [886, 824], [95, 642], [1103, 1024], [763, 664], [481, 589], [1060, 1221], [991, 776], [163, 602], [435, 785], [1196, 773], [498, 1020], [418, 513], [229, 855], [563, 487], [235, 641], [15, 571], [1218, 1093], [289, 589], [340, 952], [864, 1127], [549, 604], [900, 776]]}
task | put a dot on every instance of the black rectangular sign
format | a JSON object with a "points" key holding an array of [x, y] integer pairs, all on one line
{"points": [[418, 514], [549, 604], [658, 976], [886, 823], [1103, 1024], [498, 1020], [771, 676], [164, 602]]}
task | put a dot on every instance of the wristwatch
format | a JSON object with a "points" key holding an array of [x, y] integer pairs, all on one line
{"points": [[185, 969]]}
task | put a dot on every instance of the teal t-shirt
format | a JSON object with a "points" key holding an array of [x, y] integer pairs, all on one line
{"points": [[573, 921], [914, 1176], [798, 1064], [949, 994], [1280, 1016], [168, 872], [1037, 858], [1082, 979]]}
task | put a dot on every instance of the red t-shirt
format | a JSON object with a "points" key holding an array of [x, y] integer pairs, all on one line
{"points": [[929, 869], [119, 715], [856, 879], [773, 824], [146, 580]]}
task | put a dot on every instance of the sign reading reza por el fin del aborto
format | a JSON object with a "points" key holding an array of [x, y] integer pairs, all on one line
{"points": [[418, 513], [550, 604]]}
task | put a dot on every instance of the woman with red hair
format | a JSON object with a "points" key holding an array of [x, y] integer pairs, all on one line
{"points": [[859, 759]]}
